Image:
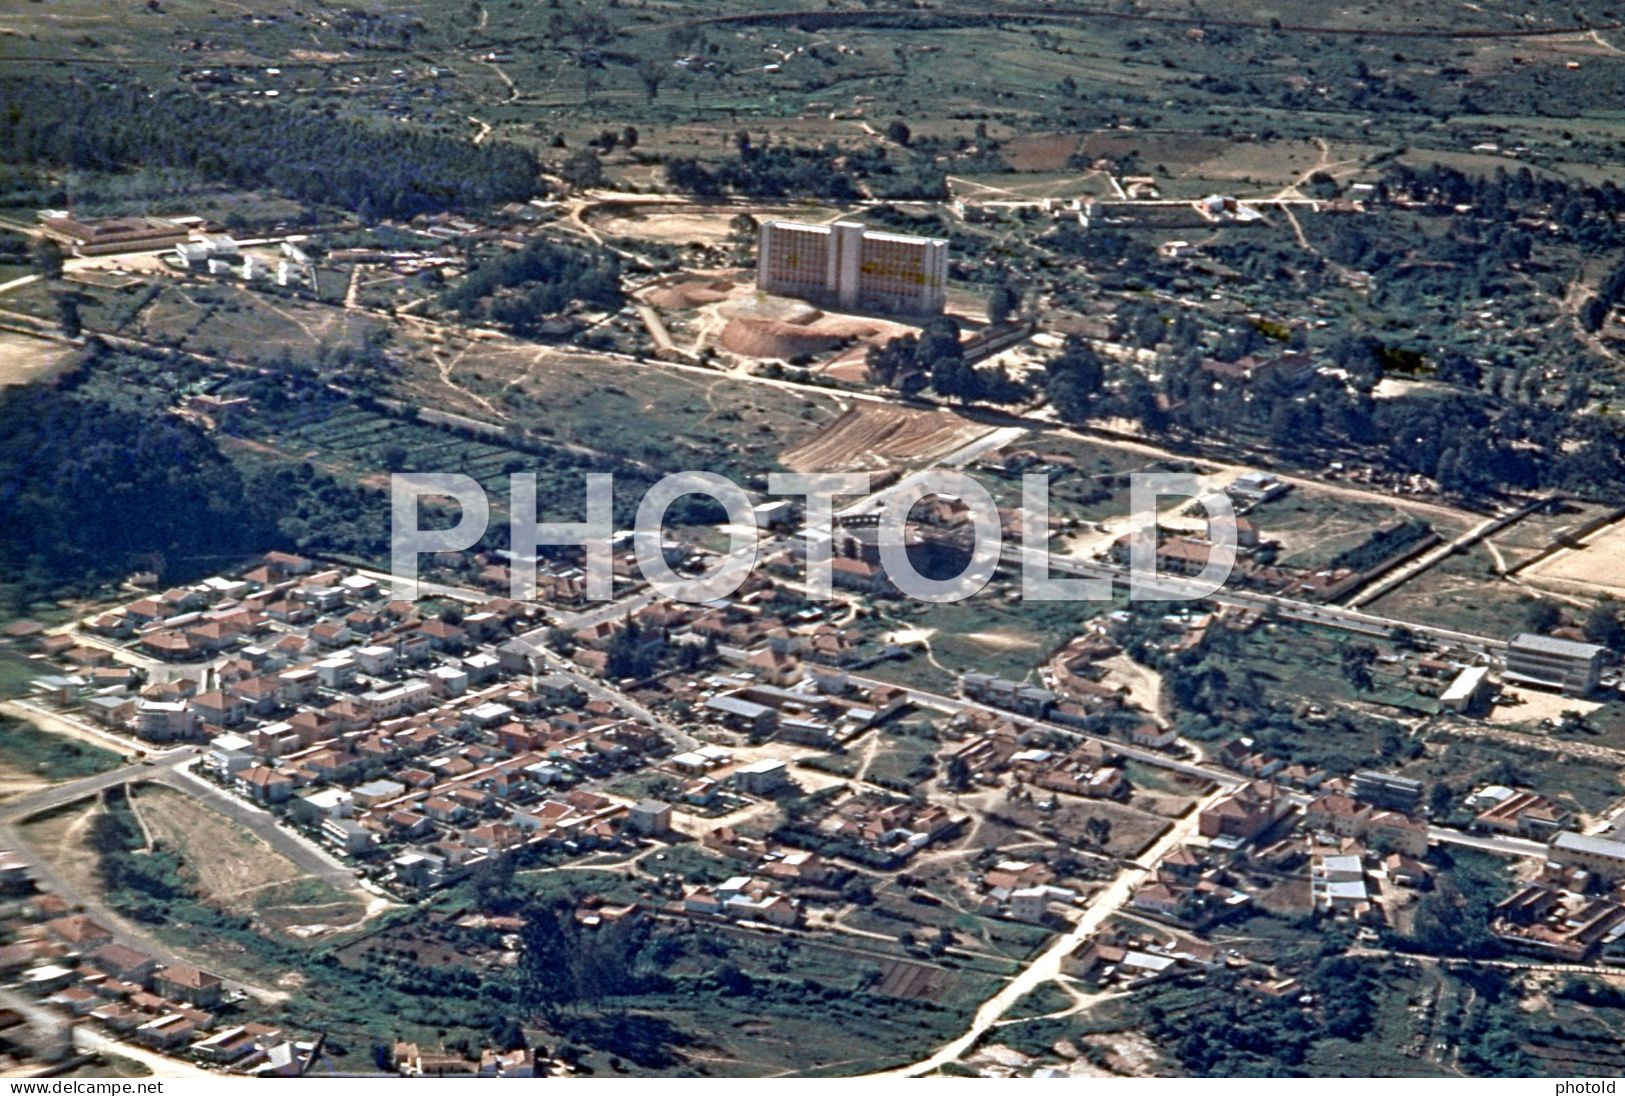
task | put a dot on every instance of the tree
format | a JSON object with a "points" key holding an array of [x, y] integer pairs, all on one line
{"points": [[957, 777], [898, 132], [315, 156], [1357, 659], [1441, 797], [546, 975], [629, 138], [955, 377], [1002, 303], [1602, 624], [1074, 379], [652, 76], [67, 315], [1542, 616], [493, 882], [46, 257], [582, 170], [1099, 830]]}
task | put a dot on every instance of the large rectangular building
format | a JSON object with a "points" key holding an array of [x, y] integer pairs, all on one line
{"points": [[109, 235], [1562, 664], [1598, 855], [844, 265]]}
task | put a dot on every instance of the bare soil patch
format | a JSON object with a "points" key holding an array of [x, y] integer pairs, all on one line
{"points": [[25, 360], [226, 859], [1040, 151], [691, 294]]}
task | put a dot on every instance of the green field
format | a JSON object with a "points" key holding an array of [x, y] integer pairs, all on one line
{"points": [[26, 751]]}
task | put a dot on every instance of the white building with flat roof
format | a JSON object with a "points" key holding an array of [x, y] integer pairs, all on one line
{"points": [[1575, 668]]}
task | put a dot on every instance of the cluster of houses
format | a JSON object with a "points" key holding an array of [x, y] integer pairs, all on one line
{"points": [[886, 832], [1129, 955], [1022, 890], [1367, 855], [416, 744], [1192, 888], [822, 707], [992, 749], [411, 1060], [1575, 907], [72, 962], [222, 256]]}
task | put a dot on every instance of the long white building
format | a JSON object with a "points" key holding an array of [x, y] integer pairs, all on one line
{"points": [[844, 265]]}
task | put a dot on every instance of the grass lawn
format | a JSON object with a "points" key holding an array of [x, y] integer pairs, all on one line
{"points": [[17, 670]]}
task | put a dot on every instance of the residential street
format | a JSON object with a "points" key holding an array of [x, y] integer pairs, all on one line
{"points": [[1047, 964]]}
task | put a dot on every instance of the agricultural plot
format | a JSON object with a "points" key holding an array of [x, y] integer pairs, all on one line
{"points": [[1315, 528], [1584, 784], [362, 445], [994, 632], [684, 418], [939, 904], [1131, 829], [1087, 482], [872, 437], [1292, 665]]}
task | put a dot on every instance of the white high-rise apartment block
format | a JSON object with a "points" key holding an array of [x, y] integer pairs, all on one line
{"points": [[844, 265]]}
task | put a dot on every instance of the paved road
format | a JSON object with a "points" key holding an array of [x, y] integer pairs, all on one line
{"points": [[169, 769], [89, 1039], [598, 691], [1501, 846], [1176, 588]]}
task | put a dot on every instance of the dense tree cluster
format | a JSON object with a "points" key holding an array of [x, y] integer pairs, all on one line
{"points": [[564, 966], [1228, 1033], [543, 279], [935, 357], [91, 491], [318, 158], [1589, 213]]}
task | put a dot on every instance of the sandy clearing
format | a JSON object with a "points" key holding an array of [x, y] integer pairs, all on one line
{"points": [[1595, 569], [27, 360]]}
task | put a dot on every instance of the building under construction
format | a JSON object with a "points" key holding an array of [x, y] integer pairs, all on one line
{"points": [[846, 266]]}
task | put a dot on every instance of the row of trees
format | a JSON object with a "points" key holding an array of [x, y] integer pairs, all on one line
{"points": [[781, 171]]}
